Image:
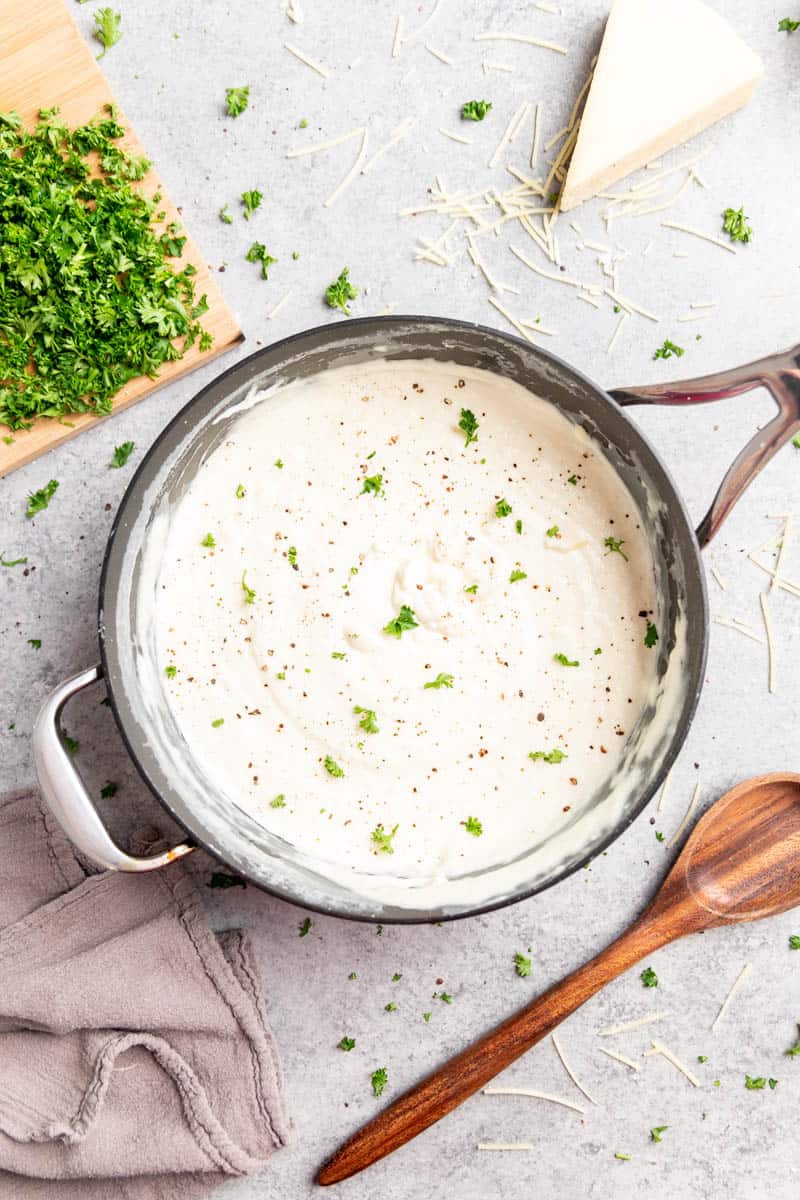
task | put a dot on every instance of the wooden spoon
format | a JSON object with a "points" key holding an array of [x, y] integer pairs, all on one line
{"points": [[741, 862]]}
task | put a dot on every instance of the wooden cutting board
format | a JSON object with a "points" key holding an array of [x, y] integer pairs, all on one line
{"points": [[44, 62]]}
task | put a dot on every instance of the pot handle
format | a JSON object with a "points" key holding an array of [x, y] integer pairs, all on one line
{"points": [[780, 375], [66, 796]]}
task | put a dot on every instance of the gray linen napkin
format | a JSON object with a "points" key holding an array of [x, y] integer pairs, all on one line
{"points": [[135, 1060]]}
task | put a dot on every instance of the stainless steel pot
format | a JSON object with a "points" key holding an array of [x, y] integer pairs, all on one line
{"points": [[156, 746]]}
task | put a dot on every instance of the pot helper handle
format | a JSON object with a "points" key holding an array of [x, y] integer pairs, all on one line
{"points": [[780, 375], [65, 794]]}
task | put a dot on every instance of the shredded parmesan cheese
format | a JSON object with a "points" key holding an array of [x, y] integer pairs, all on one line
{"points": [[782, 544], [687, 817], [569, 1071], [310, 62], [740, 978], [591, 288], [518, 37], [397, 134], [351, 174], [294, 12], [438, 54], [625, 316], [509, 133], [740, 627], [623, 302], [320, 146], [717, 577], [398, 36], [506, 1146], [278, 306], [520, 328], [698, 233], [496, 66], [456, 137], [536, 134], [628, 1062], [660, 1048], [506, 1091], [664, 790], [770, 644], [613, 1030]]}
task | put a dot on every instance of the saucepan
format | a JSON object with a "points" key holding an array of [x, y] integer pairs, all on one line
{"points": [[127, 599]]}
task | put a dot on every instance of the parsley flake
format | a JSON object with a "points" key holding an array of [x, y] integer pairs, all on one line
{"points": [[71, 744], [240, 491], [788, 25], [390, 1007], [304, 928], [383, 840], [475, 110], [35, 642], [347, 1043], [756, 1084], [656, 1132], [122, 454], [516, 575], [566, 662], [794, 1051], [379, 1080], [649, 978], [215, 724], [403, 621], [553, 532], [473, 826], [522, 965], [468, 424], [338, 654], [397, 976], [614, 546], [291, 555], [651, 635], [278, 802], [368, 722], [548, 756], [472, 589], [668, 350], [11, 562], [251, 200], [39, 501], [258, 253], [518, 525], [502, 509], [237, 100], [170, 671], [225, 216], [107, 31], [340, 291], [659, 836], [208, 541], [249, 593], [109, 789], [734, 223], [332, 767], [440, 681], [373, 484], [794, 941]]}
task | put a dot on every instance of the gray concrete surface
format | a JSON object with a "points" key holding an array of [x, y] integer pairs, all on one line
{"points": [[170, 71]]}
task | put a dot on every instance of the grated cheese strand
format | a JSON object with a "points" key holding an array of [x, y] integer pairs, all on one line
{"points": [[351, 174], [456, 137], [521, 330], [510, 130], [294, 12], [717, 577], [650, 1019], [664, 790], [660, 1048], [518, 37], [698, 233], [569, 1070], [770, 644], [534, 1095], [506, 1146], [536, 134], [782, 544], [634, 1066], [309, 62], [687, 816], [591, 288], [630, 306], [740, 627], [278, 306], [415, 33], [397, 134], [320, 146], [438, 54], [740, 978]]}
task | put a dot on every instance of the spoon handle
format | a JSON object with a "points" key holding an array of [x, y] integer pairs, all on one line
{"points": [[470, 1070]]}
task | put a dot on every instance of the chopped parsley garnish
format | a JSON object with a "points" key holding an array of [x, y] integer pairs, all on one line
{"points": [[379, 1080], [249, 593], [598, 650], [352, 975], [522, 965], [622, 1157], [440, 681], [258, 253], [383, 840], [553, 532], [516, 575], [426, 1017], [291, 555], [338, 654], [794, 941], [518, 525], [369, 721], [109, 789], [548, 756], [656, 1132], [614, 546], [35, 642], [304, 928], [89, 300], [651, 635], [39, 501], [668, 350], [788, 25], [222, 879], [796, 441], [340, 291], [170, 671], [755, 1084], [566, 662], [373, 484], [217, 722], [72, 744], [573, 479], [208, 541], [107, 31], [236, 100], [278, 463], [251, 200], [225, 216], [734, 223], [659, 836], [303, 123], [649, 978], [403, 621], [445, 997], [332, 767], [702, 1058], [475, 110], [390, 1007], [240, 491], [502, 509], [468, 424], [278, 802], [472, 589], [473, 826], [11, 562], [794, 1051], [122, 454], [347, 1043], [397, 977]]}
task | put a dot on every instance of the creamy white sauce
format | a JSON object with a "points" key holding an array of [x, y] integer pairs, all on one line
{"points": [[267, 669]]}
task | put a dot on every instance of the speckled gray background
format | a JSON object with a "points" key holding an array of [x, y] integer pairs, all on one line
{"points": [[170, 71]]}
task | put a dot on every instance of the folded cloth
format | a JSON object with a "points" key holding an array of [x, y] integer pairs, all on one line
{"points": [[135, 1059]]}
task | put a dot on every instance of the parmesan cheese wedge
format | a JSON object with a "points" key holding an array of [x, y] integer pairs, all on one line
{"points": [[663, 74]]}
